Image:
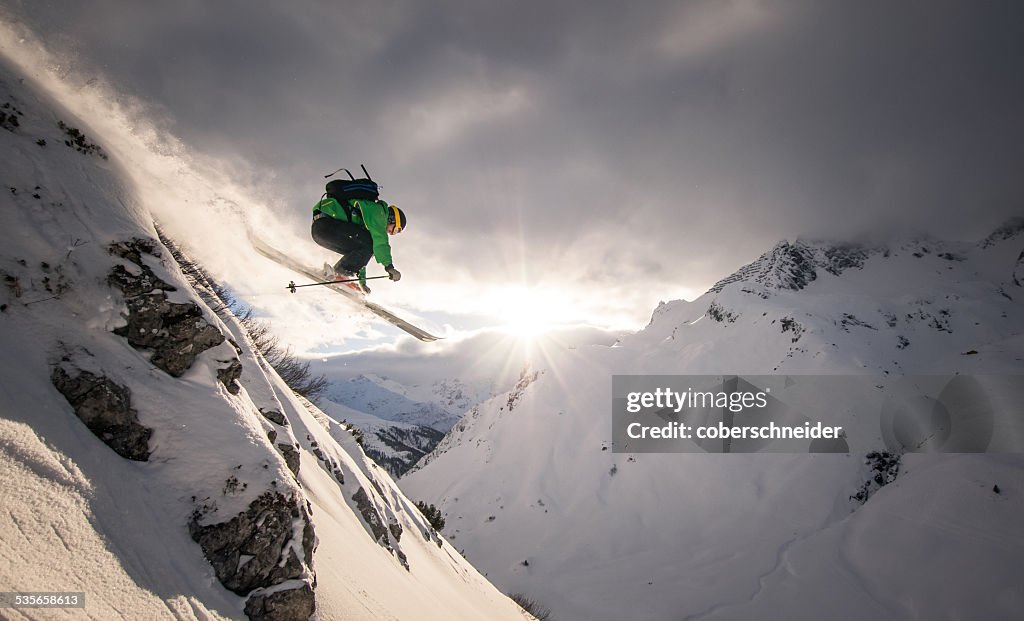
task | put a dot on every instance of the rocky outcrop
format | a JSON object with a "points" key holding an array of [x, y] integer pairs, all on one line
{"points": [[259, 547], [105, 408], [295, 604], [371, 516], [1007, 230], [378, 528], [718, 313], [786, 266], [525, 379], [176, 332], [328, 463], [132, 284], [266, 551], [229, 376], [291, 457], [794, 266], [275, 417]]}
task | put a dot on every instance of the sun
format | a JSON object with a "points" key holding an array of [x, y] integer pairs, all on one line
{"points": [[529, 312], [529, 325]]}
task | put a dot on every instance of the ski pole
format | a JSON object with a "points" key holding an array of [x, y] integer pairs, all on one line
{"points": [[292, 286]]}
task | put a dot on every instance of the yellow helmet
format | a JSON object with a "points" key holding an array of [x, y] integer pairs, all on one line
{"points": [[397, 217]]}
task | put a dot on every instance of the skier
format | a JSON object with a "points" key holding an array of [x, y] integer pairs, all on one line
{"points": [[351, 220]]}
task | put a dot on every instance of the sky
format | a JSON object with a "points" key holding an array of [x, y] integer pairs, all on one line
{"points": [[576, 161]]}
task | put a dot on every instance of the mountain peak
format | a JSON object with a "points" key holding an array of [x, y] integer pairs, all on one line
{"points": [[795, 265], [1009, 229]]}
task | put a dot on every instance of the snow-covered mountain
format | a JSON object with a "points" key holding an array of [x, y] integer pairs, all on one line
{"points": [[404, 415], [149, 457], [536, 497], [393, 445], [399, 423], [438, 405]]}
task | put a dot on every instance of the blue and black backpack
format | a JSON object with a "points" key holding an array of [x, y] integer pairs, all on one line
{"points": [[343, 190]]}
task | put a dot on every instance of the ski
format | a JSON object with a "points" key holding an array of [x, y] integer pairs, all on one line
{"points": [[281, 258]]}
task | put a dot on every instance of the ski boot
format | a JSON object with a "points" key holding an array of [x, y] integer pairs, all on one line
{"points": [[347, 279]]}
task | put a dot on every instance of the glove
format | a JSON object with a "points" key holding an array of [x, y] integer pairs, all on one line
{"points": [[393, 274]]}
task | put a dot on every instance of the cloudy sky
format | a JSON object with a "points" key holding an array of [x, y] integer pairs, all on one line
{"points": [[599, 156]]}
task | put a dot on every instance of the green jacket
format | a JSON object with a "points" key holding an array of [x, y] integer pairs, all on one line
{"points": [[371, 214]]}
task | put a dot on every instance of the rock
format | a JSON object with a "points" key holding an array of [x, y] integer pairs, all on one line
{"points": [[290, 605], [253, 549], [229, 374], [884, 468], [134, 248], [720, 314], [842, 257], [291, 457], [105, 408], [1007, 230], [275, 417], [136, 284], [371, 516], [177, 333], [525, 379], [794, 266]]}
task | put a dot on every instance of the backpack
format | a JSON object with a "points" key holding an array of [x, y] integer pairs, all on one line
{"points": [[343, 190]]}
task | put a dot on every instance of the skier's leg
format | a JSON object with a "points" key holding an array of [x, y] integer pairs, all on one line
{"points": [[352, 241], [332, 234], [358, 254]]}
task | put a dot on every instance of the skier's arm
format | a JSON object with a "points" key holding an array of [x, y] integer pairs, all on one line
{"points": [[376, 220]]}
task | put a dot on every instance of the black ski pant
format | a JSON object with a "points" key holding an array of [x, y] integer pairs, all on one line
{"points": [[352, 241]]}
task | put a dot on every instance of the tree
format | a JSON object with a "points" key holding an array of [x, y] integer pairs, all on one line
{"points": [[432, 513]]}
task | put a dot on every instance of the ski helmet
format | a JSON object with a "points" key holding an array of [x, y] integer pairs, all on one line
{"points": [[397, 217]]}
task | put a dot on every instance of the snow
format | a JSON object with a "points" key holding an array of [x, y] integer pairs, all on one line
{"points": [[550, 510], [78, 517], [531, 490]]}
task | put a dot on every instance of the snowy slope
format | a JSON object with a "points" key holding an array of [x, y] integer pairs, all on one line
{"points": [[534, 495], [230, 452]]}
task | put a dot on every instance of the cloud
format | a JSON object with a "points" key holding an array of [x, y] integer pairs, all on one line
{"points": [[695, 31], [441, 120], [627, 152]]}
